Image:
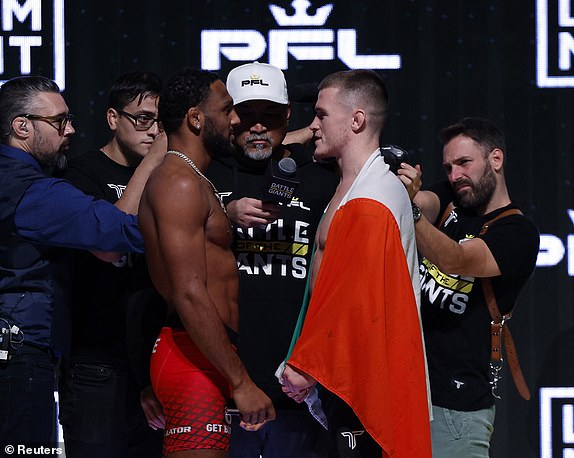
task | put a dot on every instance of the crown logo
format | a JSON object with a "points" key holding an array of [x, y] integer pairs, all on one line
{"points": [[301, 17]]}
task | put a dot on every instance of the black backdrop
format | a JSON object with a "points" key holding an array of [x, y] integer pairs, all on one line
{"points": [[457, 58]]}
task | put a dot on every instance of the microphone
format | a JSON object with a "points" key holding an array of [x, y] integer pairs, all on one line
{"points": [[280, 181]]}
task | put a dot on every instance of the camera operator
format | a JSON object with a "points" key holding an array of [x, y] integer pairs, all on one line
{"points": [[478, 250]]}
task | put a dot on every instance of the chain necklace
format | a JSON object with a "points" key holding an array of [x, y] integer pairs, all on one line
{"points": [[196, 168]]}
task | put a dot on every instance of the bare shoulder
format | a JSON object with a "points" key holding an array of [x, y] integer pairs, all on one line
{"points": [[174, 188]]}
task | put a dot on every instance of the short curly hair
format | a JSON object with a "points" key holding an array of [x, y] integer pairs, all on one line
{"points": [[185, 89]]}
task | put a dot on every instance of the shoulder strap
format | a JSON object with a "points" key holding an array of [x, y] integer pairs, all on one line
{"points": [[486, 226], [499, 328]]}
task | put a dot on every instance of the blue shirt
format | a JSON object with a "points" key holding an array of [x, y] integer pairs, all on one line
{"points": [[53, 212]]}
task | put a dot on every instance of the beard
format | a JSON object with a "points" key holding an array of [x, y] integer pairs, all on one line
{"points": [[61, 162], [215, 143], [479, 193], [45, 154], [261, 152]]}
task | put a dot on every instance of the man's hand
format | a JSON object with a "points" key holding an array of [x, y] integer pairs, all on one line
{"points": [[297, 384], [254, 406], [158, 148], [411, 178], [303, 136], [152, 408], [248, 212]]}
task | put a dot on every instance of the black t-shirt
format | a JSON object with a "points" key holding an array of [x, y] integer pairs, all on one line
{"points": [[273, 262], [100, 290], [456, 319]]}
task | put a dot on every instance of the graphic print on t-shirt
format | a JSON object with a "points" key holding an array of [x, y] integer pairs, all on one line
{"points": [[273, 249], [119, 188], [446, 291]]}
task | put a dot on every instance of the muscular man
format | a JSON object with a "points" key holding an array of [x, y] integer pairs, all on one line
{"points": [[273, 250], [100, 410], [38, 216], [188, 237], [361, 340], [456, 317]]}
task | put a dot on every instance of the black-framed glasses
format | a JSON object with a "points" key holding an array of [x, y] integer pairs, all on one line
{"points": [[141, 121], [61, 120]]}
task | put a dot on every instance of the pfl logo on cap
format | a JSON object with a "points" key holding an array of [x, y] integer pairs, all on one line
{"points": [[253, 80]]}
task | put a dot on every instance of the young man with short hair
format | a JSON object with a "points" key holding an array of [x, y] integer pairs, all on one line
{"points": [[361, 339], [100, 393]]}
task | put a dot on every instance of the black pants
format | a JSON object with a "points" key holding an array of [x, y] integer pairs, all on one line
{"points": [[347, 436], [27, 406], [102, 417], [293, 434]]}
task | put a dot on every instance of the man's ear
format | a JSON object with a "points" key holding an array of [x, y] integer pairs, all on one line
{"points": [[358, 122], [496, 158], [112, 117], [20, 126], [193, 119]]}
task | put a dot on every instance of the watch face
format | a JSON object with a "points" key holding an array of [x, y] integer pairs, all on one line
{"points": [[416, 212]]}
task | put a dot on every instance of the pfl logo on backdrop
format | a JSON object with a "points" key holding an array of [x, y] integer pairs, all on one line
{"points": [[300, 35], [29, 29], [554, 249], [557, 422], [554, 43]]}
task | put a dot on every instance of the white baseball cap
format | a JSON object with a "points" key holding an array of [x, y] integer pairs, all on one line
{"points": [[257, 81]]}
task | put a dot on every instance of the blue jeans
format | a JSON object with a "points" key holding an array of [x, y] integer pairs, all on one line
{"points": [[101, 415], [457, 434], [294, 433], [27, 406]]}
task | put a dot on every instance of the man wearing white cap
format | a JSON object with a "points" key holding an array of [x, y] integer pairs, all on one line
{"points": [[273, 249]]}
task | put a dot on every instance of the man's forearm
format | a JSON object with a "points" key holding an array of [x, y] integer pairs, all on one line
{"points": [[429, 204], [130, 200], [437, 247], [204, 326]]}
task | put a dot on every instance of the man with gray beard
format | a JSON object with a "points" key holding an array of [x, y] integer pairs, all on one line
{"points": [[272, 244], [479, 251], [39, 217]]}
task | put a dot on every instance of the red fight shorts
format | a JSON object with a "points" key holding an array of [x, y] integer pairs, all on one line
{"points": [[192, 392]]}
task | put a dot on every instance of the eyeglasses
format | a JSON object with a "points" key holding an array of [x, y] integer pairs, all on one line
{"points": [[62, 120], [141, 121]]}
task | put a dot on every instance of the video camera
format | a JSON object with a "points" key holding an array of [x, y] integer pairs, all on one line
{"points": [[393, 155]]}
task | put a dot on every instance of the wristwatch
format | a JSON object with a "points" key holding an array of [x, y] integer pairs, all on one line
{"points": [[416, 212]]}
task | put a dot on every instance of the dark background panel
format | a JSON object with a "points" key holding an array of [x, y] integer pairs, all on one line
{"points": [[459, 58]]}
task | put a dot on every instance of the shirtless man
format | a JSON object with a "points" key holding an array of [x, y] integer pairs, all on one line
{"points": [[361, 340], [187, 237]]}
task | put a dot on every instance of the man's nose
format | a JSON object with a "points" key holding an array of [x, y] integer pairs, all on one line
{"points": [[258, 127], [314, 126], [235, 120], [69, 130], [456, 173]]}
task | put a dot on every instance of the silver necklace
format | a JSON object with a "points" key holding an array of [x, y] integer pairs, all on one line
{"points": [[196, 168]]}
